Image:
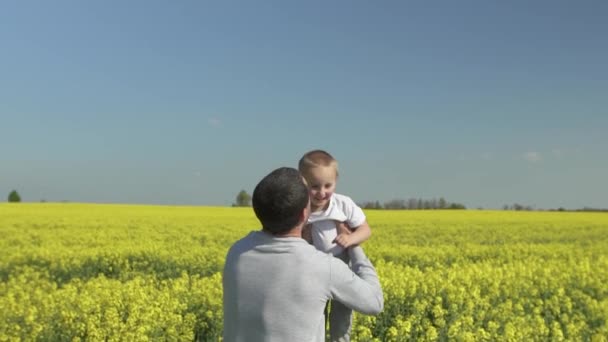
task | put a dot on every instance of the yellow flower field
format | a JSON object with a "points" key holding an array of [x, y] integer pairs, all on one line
{"points": [[72, 272]]}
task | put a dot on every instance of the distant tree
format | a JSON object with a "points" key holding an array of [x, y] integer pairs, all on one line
{"points": [[14, 197], [427, 204], [456, 206], [243, 199], [366, 205], [442, 203]]}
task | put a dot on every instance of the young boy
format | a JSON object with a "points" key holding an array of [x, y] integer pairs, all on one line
{"points": [[335, 223]]}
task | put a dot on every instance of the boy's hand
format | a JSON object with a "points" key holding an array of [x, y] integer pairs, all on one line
{"points": [[344, 240], [351, 237], [342, 228]]}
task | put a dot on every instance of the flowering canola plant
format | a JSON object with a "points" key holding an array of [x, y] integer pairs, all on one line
{"points": [[92, 272]]}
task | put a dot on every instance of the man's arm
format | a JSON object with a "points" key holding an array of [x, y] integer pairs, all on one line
{"points": [[359, 288], [347, 237]]}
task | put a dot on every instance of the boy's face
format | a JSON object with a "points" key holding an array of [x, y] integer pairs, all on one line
{"points": [[321, 184]]}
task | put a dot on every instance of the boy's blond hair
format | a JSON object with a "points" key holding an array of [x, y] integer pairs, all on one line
{"points": [[317, 158]]}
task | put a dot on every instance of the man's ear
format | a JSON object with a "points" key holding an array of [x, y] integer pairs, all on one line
{"points": [[305, 213]]}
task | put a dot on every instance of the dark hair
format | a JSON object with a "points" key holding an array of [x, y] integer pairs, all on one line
{"points": [[279, 198]]}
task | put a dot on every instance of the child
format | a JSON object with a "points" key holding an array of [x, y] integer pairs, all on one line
{"points": [[335, 223]]}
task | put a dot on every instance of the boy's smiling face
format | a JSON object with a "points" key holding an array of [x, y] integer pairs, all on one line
{"points": [[321, 184]]}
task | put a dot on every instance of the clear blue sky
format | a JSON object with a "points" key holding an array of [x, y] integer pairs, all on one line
{"points": [[187, 102]]}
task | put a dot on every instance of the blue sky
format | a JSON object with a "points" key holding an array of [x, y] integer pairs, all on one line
{"points": [[187, 102]]}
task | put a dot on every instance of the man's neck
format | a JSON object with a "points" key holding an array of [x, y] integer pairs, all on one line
{"points": [[295, 232], [291, 234]]}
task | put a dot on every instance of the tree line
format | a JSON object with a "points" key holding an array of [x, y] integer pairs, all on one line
{"points": [[243, 199], [522, 207], [413, 204]]}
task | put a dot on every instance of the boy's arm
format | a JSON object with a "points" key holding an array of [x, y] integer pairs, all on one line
{"points": [[347, 237]]}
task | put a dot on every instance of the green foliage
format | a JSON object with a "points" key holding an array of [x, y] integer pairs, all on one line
{"points": [[243, 199], [104, 272], [14, 197]]}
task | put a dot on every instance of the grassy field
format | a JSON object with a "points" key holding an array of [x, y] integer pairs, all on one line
{"points": [[136, 273]]}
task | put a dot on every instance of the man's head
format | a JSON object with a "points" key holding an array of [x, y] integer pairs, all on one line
{"points": [[321, 172], [279, 200]]}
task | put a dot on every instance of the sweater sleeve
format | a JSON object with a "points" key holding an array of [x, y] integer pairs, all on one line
{"points": [[359, 288]]}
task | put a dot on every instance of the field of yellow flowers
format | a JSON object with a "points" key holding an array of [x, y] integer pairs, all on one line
{"points": [[72, 272]]}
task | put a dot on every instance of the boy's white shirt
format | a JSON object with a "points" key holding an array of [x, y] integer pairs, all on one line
{"points": [[341, 208]]}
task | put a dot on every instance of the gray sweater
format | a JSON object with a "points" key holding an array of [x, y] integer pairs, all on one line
{"points": [[275, 289]]}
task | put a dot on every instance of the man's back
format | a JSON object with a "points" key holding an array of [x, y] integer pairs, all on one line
{"points": [[275, 289]]}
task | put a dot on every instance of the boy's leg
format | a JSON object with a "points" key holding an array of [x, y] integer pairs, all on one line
{"points": [[340, 317], [340, 321]]}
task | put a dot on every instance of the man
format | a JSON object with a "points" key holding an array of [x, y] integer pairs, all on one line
{"points": [[276, 285]]}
